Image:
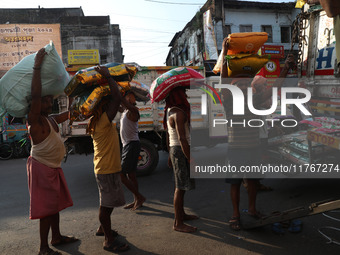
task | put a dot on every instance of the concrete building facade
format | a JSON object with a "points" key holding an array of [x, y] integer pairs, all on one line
{"points": [[78, 32], [230, 16]]}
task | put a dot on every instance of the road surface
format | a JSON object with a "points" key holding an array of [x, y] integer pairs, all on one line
{"points": [[149, 230]]}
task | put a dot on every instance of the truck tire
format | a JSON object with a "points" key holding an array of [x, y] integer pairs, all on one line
{"points": [[148, 158]]}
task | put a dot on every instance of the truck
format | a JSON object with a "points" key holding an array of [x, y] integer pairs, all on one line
{"points": [[151, 132], [318, 71], [11, 128]]}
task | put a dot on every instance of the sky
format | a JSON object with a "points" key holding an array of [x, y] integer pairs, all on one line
{"points": [[147, 26]]}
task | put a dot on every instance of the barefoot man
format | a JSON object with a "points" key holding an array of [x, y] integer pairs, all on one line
{"points": [[177, 124], [131, 149], [106, 161]]}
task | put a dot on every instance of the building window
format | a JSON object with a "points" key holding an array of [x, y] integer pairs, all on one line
{"points": [[199, 43], [285, 34], [246, 28], [268, 29], [186, 54], [226, 31]]}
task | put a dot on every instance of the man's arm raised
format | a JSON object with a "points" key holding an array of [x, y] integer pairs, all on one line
{"points": [[116, 97], [35, 108]]}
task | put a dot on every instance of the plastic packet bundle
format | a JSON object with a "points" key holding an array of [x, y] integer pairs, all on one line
{"points": [[86, 78], [243, 45], [245, 65], [85, 103], [246, 43]]}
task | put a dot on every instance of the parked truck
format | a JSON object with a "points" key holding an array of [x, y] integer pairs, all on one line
{"points": [[151, 132], [318, 71]]}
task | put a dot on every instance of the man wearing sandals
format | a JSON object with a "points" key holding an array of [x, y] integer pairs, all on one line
{"points": [[107, 161], [244, 141], [48, 189], [177, 109]]}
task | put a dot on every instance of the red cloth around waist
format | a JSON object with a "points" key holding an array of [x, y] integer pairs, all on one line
{"points": [[48, 190]]}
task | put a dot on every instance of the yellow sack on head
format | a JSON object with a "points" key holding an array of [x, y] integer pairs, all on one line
{"points": [[89, 77], [245, 65], [94, 98], [246, 43], [75, 114], [97, 94], [124, 86]]}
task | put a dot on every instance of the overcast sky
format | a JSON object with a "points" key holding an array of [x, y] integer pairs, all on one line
{"points": [[147, 26]]}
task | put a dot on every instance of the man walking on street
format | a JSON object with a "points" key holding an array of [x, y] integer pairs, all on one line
{"points": [[107, 162], [131, 149], [48, 189]]}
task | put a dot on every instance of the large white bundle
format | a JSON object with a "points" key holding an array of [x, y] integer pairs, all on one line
{"points": [[15, 85]]}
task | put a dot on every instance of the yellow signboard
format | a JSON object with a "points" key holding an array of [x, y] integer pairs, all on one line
{"points": [[83, 57], [19, 40]]}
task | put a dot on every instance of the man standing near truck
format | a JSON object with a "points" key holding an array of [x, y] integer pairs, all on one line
{"points": [[177, 123], [131, 149], [244, 141], [107, 161]]}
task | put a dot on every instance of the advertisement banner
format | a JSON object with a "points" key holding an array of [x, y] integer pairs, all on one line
{"points": [[19, 40], [275, 51]]}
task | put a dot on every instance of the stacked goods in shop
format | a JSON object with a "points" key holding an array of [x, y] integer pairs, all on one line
{"points": [[89, 87], [294, 148], [242, 58], [297, 151], [177, 77], [15, 85]]}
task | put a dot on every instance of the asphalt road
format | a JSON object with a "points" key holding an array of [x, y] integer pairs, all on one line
{"points": [[149, 230]]}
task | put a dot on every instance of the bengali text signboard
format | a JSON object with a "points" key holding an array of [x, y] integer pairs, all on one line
{"points": [[19, 40], [83, 57]]}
